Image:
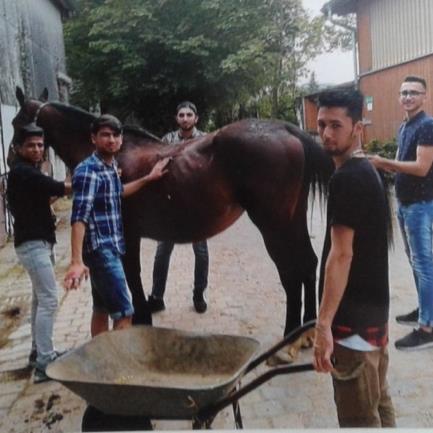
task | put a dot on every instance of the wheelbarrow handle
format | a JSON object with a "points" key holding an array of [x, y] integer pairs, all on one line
{"points": [[288, 339], [211, 411]]}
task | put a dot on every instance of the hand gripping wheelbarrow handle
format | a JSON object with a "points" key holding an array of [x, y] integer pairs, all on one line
{"points": [[211, 411]]}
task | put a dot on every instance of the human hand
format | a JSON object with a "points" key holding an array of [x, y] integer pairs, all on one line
{"points": [[379, 162], [323, 349], [159, 169], [74, 276]]}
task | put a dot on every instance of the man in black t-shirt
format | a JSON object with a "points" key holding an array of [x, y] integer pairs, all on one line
{"points": [[352, 325], [29, 195]]}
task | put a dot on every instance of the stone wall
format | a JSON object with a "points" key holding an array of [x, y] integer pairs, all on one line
{"points": [[32, 53], [32, 56]]}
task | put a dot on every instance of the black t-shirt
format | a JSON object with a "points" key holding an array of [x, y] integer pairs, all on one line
{"points": [[357, 200], [28, 193]]}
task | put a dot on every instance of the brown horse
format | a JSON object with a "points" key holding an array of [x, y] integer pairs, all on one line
{"points": [[263, 167]]}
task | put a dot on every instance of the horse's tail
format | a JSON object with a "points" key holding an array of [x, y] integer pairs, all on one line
{"points": [[319, 166], [387, 183]]}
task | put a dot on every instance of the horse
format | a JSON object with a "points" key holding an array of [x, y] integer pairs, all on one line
{"points": [[263, 167]]}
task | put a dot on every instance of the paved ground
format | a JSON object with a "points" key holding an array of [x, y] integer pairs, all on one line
{"points": [[245, 298]]}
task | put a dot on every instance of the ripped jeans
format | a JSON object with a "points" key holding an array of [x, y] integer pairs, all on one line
{"points": [[416, 222]]}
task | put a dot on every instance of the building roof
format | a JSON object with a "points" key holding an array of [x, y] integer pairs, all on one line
{"points": [[340, 7], [349, 85]]}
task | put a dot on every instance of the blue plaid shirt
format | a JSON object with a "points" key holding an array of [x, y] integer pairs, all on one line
{"points": [[97, 193]]}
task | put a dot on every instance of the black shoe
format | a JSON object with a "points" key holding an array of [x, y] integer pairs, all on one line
{"points": [[32, 358], [199, 303], [417, 339], [155, 304], [410, 319]]}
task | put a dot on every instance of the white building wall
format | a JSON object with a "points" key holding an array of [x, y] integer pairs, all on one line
{"points": [[402, 30]]}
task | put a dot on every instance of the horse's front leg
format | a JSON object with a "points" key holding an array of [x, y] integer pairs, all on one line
{"points": [[132, 267]]}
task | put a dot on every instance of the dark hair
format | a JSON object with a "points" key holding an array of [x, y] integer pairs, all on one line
{"points": [[415, 79], [106, 120], [29, 130], [352, 100], [186, 104]]}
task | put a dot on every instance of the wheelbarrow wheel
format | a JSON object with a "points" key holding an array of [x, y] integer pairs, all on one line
{"points": [[96, 421]]}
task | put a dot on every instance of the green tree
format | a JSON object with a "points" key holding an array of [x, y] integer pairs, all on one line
{"points": [[139, 58]]}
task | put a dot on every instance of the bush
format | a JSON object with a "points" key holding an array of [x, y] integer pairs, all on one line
{"points": [[386, 150]]}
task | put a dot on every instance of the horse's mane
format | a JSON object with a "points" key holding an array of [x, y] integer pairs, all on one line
{"points": [[140, 132], [75, 116]]}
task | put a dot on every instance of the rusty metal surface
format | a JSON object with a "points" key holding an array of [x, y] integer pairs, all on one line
{"points": [[157, 372]]}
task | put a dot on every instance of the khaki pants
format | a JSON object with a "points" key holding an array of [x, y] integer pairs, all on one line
{"points": [[361, 388]]}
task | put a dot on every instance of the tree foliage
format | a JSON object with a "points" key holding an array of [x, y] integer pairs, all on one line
{"points": [[139, 58]]}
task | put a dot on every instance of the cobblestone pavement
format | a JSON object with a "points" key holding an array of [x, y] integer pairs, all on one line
{"points": [[245, 298]]}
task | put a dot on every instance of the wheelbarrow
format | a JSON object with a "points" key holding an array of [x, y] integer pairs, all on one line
{"points": [[163, 373]]}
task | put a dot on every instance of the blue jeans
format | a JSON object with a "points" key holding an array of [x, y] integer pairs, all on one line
{"points": [[162, 262], [416, 226], [109, 289], [37, 258]]}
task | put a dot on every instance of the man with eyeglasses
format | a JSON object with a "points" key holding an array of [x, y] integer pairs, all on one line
{"points": [[186, 118], [414, 190]]}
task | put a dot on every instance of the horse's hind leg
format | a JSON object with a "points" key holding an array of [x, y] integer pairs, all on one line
{"points": [[132, 268], [296, 264], [309, 283]]}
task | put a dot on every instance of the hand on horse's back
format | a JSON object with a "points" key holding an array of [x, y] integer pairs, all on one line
{"points": [[159, 169]]}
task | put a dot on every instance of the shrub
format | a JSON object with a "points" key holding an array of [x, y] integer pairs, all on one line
{"points": [[386, 150]]}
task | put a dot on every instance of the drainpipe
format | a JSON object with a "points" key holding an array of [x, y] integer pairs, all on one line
{"points": [[351, 29]]}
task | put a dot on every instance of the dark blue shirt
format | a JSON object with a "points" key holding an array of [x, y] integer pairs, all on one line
{"points": [[97, 194], [412, 133]]}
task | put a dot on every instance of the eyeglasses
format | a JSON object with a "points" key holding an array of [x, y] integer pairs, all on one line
{"points": [[406, 93]]}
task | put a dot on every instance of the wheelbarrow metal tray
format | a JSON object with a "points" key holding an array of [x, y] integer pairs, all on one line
{"points": [[156, 372]]}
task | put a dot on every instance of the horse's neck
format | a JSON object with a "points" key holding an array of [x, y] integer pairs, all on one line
{"points": [[72, 148], [71, 144]]}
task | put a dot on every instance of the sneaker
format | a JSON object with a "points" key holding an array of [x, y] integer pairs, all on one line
{"points": [[410, 319], [155, 304], [417, 339], [40, 375], [200, 304]]}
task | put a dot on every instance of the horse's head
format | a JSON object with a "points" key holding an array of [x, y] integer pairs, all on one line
{"points": [[67, 129], [28, 111]]}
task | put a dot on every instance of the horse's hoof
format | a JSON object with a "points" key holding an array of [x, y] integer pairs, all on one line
{"points": [[281, 357], [155, 304], [200, 304], [307, 339]]}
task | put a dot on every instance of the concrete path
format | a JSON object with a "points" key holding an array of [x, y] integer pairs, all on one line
{"points": [[245, 298]]}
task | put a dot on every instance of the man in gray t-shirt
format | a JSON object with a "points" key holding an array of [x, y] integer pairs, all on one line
{"points": [[186, 118]]}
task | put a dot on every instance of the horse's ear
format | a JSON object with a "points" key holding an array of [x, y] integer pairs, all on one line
{"points": [[20, 95], [44, 95]]}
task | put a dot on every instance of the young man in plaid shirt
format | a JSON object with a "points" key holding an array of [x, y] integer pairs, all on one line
{"points": [[352, 326], [97, 232]]}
